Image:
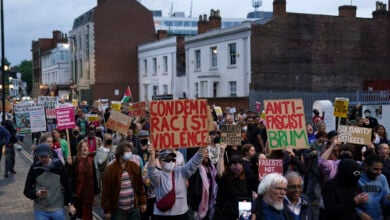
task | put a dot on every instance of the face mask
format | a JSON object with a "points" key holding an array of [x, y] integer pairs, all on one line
{"points": [[236, 170], [75, 133], [98, 133], [169, 166], [108, 142], [367, 114], [144, 141], [216, 140], [127, 156]]}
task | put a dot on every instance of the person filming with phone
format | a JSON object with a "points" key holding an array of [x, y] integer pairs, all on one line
{"points": [[48, 185]]}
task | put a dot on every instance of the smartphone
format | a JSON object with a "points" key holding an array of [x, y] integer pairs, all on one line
{"points": [[244, 209]]}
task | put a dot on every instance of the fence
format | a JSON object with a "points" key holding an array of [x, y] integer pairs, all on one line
{"points": [[309, 97]]}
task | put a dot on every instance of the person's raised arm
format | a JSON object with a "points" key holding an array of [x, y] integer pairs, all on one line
{"points": [[221, 162]]}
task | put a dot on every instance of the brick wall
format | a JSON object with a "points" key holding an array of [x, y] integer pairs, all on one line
{"points": [[317, 52], [120, 26]]}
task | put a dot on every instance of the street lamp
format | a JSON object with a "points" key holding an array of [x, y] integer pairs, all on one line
{"points": [[2, 58]]}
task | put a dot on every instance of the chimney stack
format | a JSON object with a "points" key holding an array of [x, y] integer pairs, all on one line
{"points": [[380, 10], [279, 8], [57, 35], [162, 34], [347, 11], [214, 22]]}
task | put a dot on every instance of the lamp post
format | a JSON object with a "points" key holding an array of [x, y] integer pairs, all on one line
{"points": [[2, 59]]}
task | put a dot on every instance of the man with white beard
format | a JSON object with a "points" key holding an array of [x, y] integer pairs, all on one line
{"points": [[269, 204]]}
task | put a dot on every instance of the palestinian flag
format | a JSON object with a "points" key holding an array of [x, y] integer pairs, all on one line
{"points": [[127, 96]]}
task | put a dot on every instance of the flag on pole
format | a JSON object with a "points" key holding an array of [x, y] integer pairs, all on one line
{"points": [[127, 96]]}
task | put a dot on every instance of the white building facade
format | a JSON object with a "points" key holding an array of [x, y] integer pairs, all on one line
{"points": [[157, 68], [56, 72], [82, 44], [218, 63]]}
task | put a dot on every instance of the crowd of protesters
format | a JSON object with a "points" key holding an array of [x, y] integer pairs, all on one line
{"points": [[137, 181]]}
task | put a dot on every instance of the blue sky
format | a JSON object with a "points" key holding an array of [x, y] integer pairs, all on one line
{"points": [[27, 20]]}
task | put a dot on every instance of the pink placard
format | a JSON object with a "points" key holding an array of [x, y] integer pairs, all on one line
{"points": [[65, 118]]}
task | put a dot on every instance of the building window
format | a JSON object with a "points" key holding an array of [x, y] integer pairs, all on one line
{"points": [[203, 89], [196, 90], [146, 67], [146, 92], [165, 64], [155, 90], [232, 88], [197, 59], [214, 53], [154, 66], [215, 89], [165, 89], [232, 54]]}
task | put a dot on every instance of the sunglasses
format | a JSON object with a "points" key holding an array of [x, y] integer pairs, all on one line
{"points": [[169, 160]]}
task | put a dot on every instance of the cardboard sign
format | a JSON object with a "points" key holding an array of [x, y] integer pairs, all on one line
{"points": [[65, 118], [341, 107], [179, 123], [270, 166], [354, 134], [230, 134], [139, 109], [50, 105], [286, 126], [210, 119], [119, 122]]}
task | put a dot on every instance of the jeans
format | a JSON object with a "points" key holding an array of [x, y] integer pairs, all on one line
{"points": [[132, 214], [55, 215]]}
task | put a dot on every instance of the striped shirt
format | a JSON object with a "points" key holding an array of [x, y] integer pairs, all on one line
{"points": [[126, 194]]}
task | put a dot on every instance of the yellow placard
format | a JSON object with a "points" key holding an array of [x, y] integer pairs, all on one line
{"points": [[341, 107]]}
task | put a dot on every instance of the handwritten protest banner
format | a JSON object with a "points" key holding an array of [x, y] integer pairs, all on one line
{"points": [[119, 122], [354, 135], [230, 134], [270, 166], [285, 121], [218, 110], [341, 107], [65, 117], [30, 118], [139, 109], [179, 123]]}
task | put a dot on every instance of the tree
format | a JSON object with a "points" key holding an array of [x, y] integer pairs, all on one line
{"points": [[25, 68]]}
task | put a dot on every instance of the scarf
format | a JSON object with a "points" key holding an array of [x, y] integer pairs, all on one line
{"points": [[207, 203]]}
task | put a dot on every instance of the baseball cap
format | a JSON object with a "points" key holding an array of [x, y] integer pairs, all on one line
{"points": [[42, 150], [166, 153], [143, 133]]}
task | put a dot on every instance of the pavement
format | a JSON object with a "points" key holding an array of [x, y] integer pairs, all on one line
{"points": [[13, 204]]}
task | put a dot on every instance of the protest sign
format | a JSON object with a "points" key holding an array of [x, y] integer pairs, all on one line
{"points": [[65, 117], [119, 122], [218, 110], [354, 135], [286, 126], [210, 119], [341, 107], [270, 166], [230, 134], [50, 103], [179, 123], [139, 109], [30, 118], [116, 106], [92, 117]]}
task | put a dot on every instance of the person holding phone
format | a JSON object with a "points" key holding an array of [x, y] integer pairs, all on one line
{"points": [[47, 183]]}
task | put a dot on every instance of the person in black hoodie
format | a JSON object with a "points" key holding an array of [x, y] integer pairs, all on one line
{"points": [[342, 194]]}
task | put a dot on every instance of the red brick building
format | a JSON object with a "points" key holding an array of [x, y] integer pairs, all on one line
{"points": [[319, 52], [105, 42]]}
